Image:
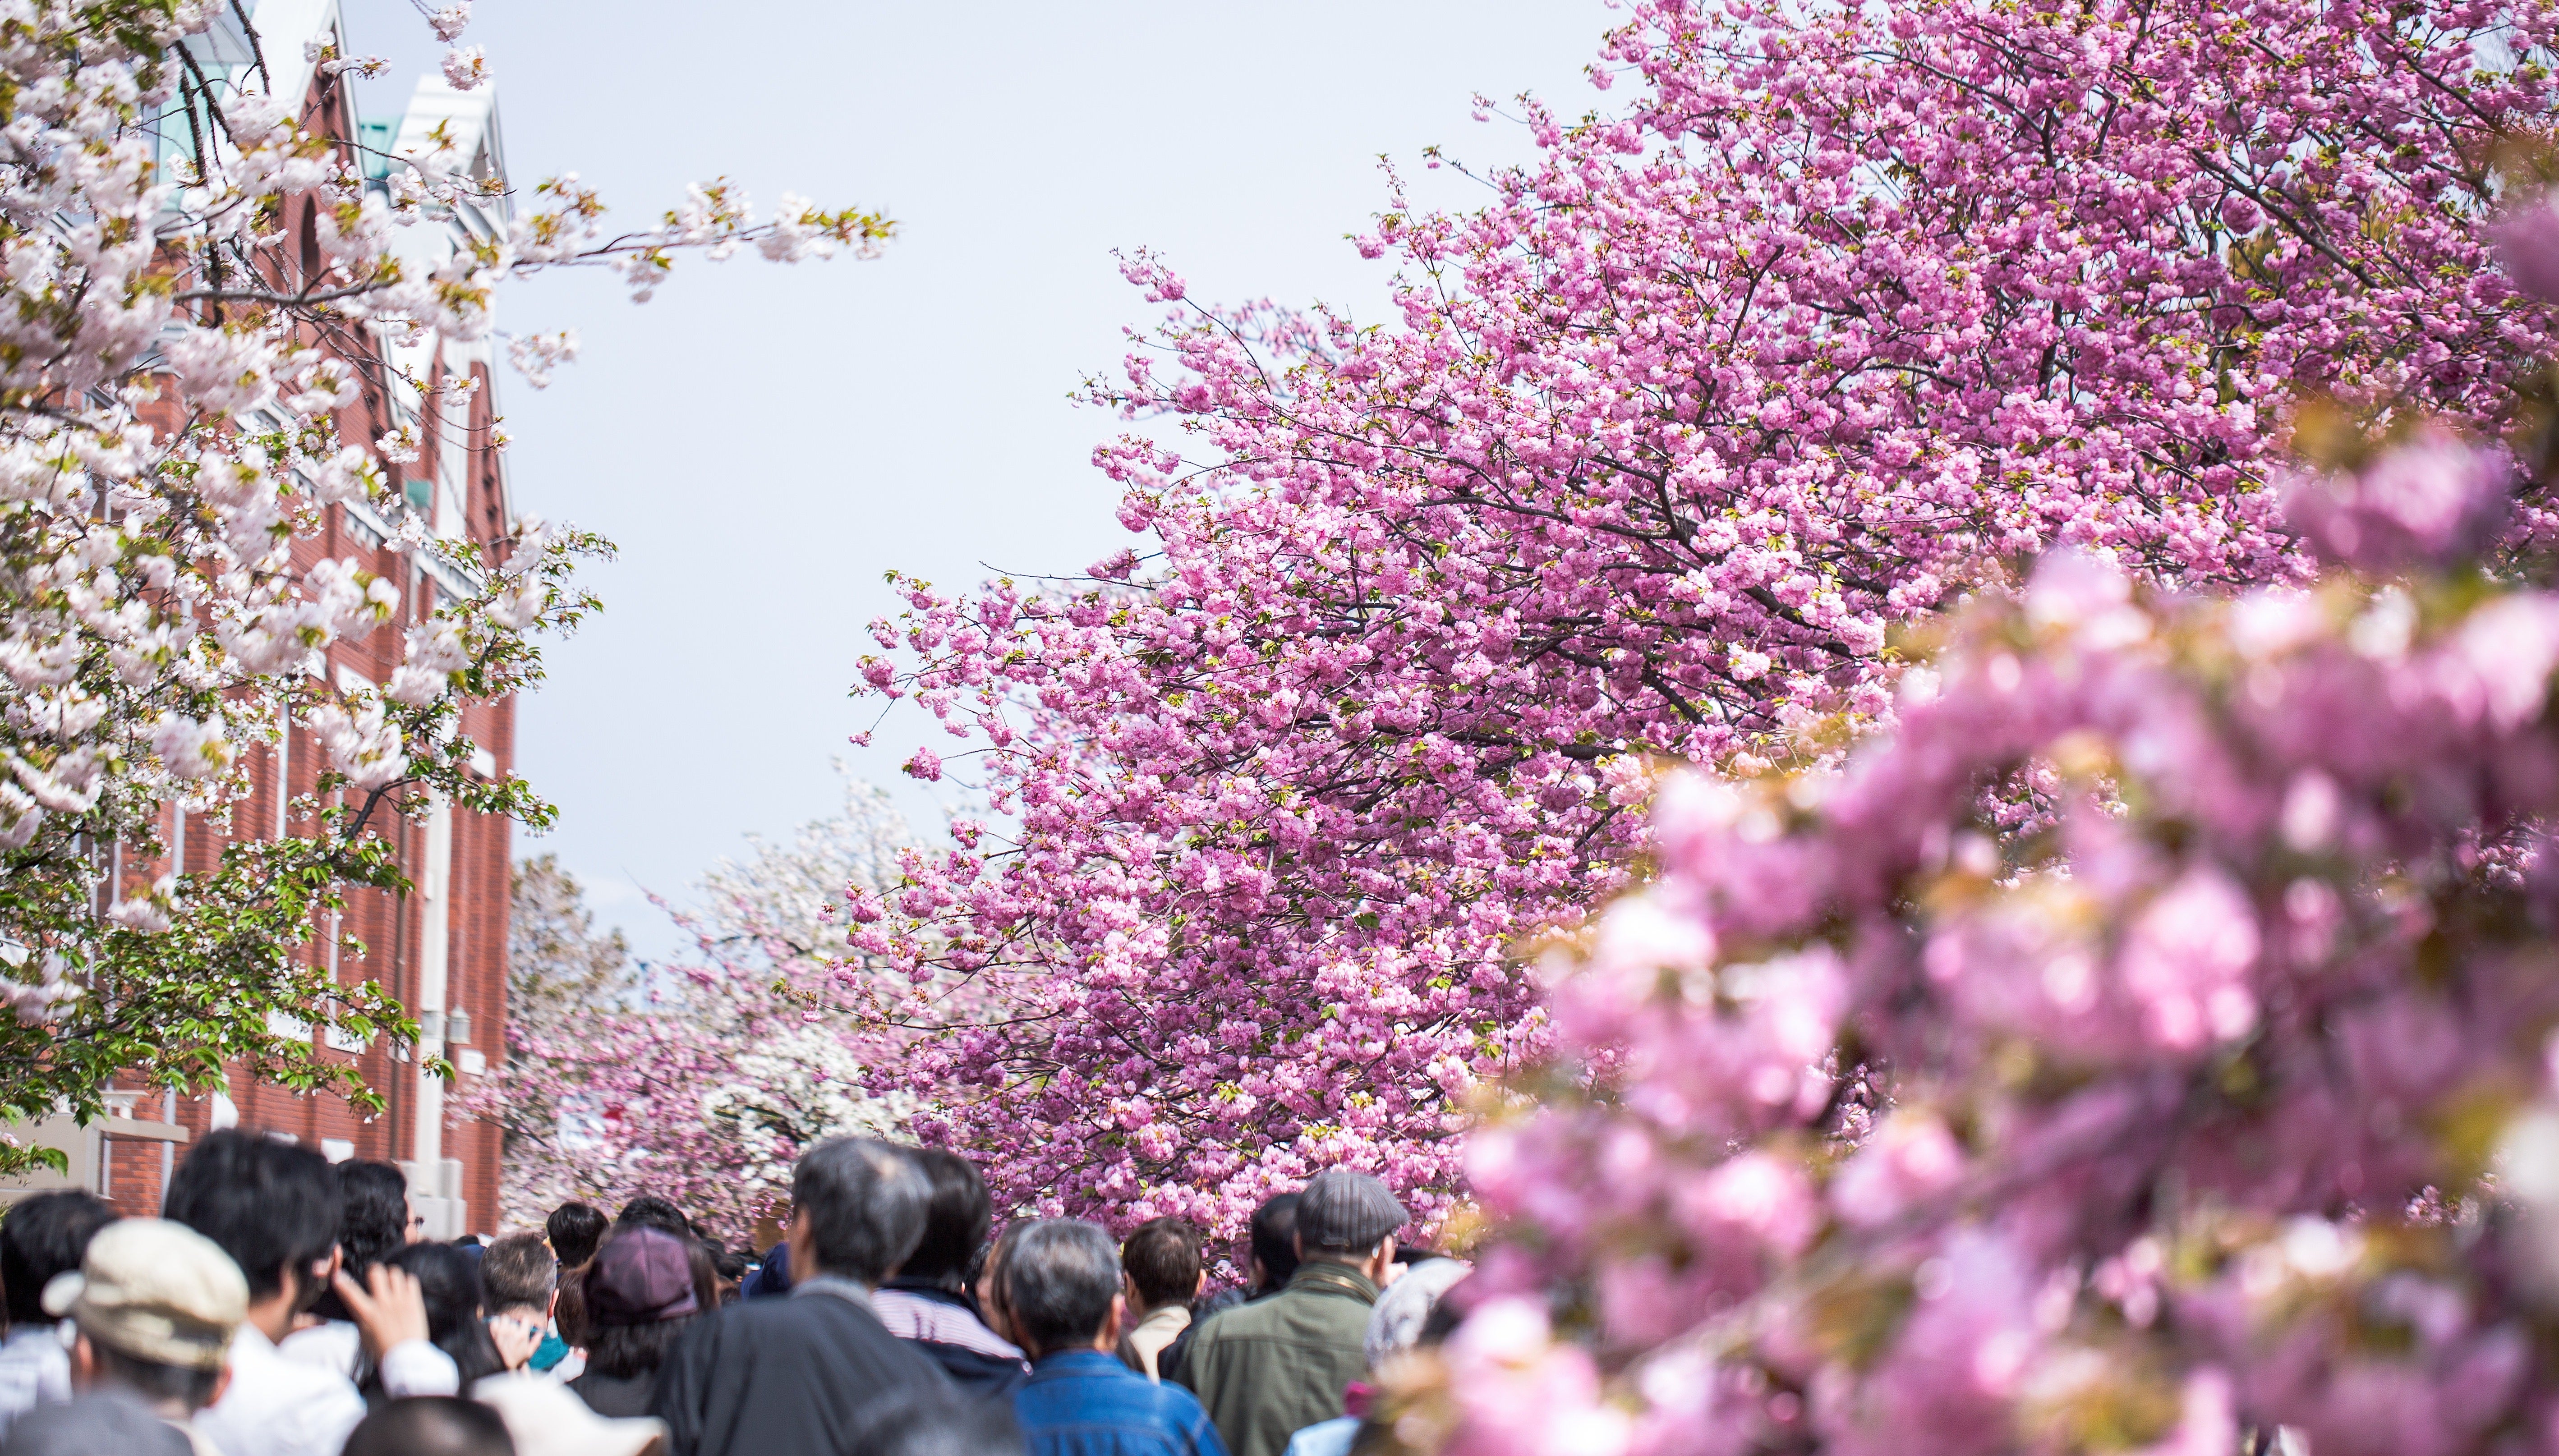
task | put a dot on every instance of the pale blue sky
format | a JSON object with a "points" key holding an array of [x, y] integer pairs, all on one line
{"points": [[764, 442]]}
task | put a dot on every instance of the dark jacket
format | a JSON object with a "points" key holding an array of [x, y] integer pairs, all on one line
{"points": [[780, 1377], [772, 1276], [617, 1394], [1265, 1370], [1083, 1402]]}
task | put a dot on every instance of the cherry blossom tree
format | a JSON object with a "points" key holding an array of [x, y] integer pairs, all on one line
{"points": [[2222, 1095], [195, 286], [701, 1081], [1851, 309]]}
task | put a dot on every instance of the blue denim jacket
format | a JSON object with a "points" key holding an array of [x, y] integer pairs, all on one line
{"points": [[1083, 1402]]}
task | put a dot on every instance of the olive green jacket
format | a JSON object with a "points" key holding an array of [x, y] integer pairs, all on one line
{"points": [[1265, 1370]]}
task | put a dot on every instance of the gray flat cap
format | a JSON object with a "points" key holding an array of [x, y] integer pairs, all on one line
{"points": [[1341, 1212]]}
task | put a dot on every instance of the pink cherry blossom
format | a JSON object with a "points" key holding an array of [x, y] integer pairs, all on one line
{"points": [[2173, 1074], [1837, 317]]}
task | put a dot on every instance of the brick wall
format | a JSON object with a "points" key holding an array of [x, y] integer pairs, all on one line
{"points": [[392, 928]]}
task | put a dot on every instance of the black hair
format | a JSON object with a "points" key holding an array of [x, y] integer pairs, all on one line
{"points": [[957, 1217], [575, 1229], [1275, 1236], [620, 1351], [450, 1283], [372, 1224], [729, 1265], [42, 1237], [431, 1425], [271, 1205], [153, 1380], [1059, 1278], [1446, 1315], [1163, 1259], [652, 1212], [374, 1221], [864, 1203]]}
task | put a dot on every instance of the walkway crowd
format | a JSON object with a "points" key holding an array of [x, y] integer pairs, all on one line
{"points": [[285, 1306]]}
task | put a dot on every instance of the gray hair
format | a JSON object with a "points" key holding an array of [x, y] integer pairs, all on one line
{"points": [[864, 1202], [1395, 1325], [1060, 1277]]}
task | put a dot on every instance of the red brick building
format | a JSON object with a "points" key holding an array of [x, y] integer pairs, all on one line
{"points": [[441, 949]]}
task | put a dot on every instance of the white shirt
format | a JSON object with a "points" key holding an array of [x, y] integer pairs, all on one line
{"points": [[336, 1345], [1325, 1437], [35, 1369], [277, 1406]]}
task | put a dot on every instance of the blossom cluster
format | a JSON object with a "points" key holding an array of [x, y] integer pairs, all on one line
{"points": [[197, 293], [2224, 1096], [1853, 307], [704, 1089], [702, 1080]]}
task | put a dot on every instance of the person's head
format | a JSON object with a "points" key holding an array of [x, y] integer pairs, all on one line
{"points": [[956, 1216], [1402, 1316], [644, 1287], [1061, 1284], [987, 1283], [271, 1205], [449, 1281], [431, 1425], [652, 1212], [1348, 1218], [517, 1276], [42, 1237], [154, 1305], [857, 1210], [729, 1266], [568, 1305], [376, 1218], [1273, 1244], [575, 1229], [1163, 1262]]}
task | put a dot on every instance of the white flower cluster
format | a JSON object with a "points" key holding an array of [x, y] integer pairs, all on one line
{"points": [[193, 292], [807, 1085], [169, 441]]}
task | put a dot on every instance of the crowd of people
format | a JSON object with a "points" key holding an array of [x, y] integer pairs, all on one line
{"points": [[285, 1306]]}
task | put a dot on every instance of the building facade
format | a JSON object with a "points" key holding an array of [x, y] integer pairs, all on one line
{"points": [[440, 947]]}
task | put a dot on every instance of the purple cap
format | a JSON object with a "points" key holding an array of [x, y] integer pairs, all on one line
{"points": [[640, 1276]]}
